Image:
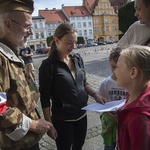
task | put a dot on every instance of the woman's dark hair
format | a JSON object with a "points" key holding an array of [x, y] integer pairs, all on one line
{"points": [[60, 32]]}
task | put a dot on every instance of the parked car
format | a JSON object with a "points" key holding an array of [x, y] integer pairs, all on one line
{"points": [[45, 50], [42, 50], [90, 44], [109, 42], [39, 50], [101, 43]]}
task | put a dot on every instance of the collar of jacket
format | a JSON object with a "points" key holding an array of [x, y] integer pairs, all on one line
{"points": [[55, 54], [7, 52]]}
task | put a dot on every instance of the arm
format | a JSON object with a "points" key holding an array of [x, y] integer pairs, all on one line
{"points": [[126, 40], [12, 120], [139, 133], [47, 115], [30, 54], [45, 83], [94, 94], [88, 87]]}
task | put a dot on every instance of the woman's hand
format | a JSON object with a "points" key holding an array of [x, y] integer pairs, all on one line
{"points": [[52, 133], [99, 98]]}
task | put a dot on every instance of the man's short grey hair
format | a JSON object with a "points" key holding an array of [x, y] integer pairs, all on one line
{"points": [[2, 25]]}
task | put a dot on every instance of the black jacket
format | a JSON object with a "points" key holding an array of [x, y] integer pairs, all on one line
{"points": [[56, 82]]}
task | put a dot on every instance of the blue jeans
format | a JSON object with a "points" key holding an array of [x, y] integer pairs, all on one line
{"points": [[112, 147]]}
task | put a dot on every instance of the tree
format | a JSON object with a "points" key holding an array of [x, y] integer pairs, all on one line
{"points": [[49, 39], [126, 16], [80, 40]]}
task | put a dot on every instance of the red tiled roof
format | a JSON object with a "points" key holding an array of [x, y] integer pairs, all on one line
{"points": [[54, 15], [77, 11], [92, 4]]}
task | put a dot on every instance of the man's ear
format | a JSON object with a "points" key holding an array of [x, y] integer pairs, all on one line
{"points": [[8, 25], [134, 72]]}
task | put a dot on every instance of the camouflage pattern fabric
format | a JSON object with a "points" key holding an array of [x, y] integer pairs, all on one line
{"points": [[22, 97]]}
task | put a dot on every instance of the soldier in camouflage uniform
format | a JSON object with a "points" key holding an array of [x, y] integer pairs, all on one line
{"points": [[20, 125]]}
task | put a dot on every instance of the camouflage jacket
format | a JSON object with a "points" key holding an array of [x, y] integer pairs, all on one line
{"points": [[22, 96]]}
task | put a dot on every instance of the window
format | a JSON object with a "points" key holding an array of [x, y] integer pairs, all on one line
{"points": [[95, 21], [89, 24], [90, 32], [114, 28], [114, 21], [84, 24], [42, 35], [31, 37], [79, 32], [79, 24], [106, 21], [84, 18], [85, 32], [96, 29], [41, 25], [73, 24], [35, 25], [37, 35], [107, 29]]}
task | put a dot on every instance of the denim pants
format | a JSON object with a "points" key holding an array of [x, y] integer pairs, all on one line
{"points": [[112, 147]]}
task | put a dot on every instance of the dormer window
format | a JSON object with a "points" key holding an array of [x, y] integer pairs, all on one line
{"points": [[83, 12], [73, 12]]}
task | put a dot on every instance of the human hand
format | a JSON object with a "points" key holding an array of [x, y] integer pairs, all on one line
{"points": [[99, 98], [40, 126], [52, 133]]}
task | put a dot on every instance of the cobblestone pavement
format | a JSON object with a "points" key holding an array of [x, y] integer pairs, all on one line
{"points": [[97, 68]]}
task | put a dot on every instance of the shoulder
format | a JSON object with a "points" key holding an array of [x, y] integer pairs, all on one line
{"points": [[106, 80], [136, 25]]}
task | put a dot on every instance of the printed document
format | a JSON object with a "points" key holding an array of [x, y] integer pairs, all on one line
{"points": [[108, 106]]}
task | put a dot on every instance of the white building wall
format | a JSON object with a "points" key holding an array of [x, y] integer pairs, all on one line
{"points": [[84, 26], [38, 39]]}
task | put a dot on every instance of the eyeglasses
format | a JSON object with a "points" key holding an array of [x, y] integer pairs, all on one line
{"points": [[28, 28]]}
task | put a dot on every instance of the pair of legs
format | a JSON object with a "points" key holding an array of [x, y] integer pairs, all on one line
{"points": [[29, 70], [71, 134]]}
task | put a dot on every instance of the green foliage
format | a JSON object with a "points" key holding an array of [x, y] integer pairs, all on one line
{"points": [[126, 16], [80, 40], [48, 40]]}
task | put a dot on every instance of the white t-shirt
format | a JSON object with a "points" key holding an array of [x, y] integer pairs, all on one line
{"points": [[137, 34], [111, 91]]}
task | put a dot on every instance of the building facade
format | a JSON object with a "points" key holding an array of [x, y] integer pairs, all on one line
{"points": [[105, 20], [38, 39], [95, 20], [81, 19]]}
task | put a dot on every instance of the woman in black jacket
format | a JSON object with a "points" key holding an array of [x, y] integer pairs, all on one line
{"points": [[62, 79]]}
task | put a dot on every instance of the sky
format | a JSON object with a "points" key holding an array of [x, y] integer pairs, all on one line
{"points": [[50, 4]]}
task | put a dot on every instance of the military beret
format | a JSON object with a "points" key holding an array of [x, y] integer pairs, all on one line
{"points": [[19, 5]]}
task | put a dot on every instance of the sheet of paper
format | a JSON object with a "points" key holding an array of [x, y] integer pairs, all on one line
{"points": [[109, 106]]}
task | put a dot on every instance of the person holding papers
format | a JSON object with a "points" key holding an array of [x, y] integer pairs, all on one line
{"points": [[111, 91], [133, 73]]}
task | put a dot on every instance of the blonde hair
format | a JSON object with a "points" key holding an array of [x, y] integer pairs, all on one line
{"points": [[139, 57]]}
